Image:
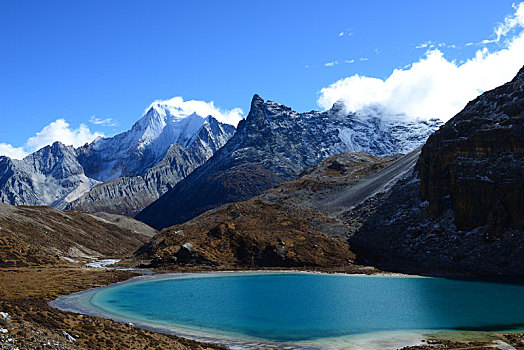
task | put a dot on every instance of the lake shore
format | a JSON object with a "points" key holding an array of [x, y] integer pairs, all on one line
{"points": [[383, 340], [30, 323]]}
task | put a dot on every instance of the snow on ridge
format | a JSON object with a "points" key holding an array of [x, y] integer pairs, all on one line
{"points": [[177, 106]]}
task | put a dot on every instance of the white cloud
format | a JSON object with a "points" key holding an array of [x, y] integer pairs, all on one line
{"points": [[103, 122], [203, 109], [331, 64], [434, 86], [424, 45], [349, 61], [347, 32], [431, 45], [59, 130], [12, 152], [363, 59], [510, 22]]}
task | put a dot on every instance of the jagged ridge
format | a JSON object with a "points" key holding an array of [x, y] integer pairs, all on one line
{"points": [[274, 144]]}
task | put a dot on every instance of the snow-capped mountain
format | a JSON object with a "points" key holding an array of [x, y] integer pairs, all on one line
{"points": [[129, 195], [161, 148], [133, 152], [274, 144]]}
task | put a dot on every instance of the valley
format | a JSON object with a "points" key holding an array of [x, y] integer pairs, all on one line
{"points": [[328, 192]]}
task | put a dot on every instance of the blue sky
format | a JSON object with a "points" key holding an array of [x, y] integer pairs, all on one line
{"points": [[92, 67]]}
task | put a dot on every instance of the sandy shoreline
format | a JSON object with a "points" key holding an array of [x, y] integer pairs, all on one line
{"points": [[80, 303]]}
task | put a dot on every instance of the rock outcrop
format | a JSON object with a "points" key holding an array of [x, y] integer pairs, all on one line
{"points": [[461, 211], [475, 162]]}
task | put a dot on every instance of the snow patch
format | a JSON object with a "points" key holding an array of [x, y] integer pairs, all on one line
{"points": [[102, 264]]}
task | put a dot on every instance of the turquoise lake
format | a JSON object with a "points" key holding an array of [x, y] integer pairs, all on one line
{"points": [[303, 306]]}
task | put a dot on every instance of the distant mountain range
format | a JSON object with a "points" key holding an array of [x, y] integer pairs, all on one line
{"points": [[129, 170], [125, 173], [279, 191], [275, 144]]}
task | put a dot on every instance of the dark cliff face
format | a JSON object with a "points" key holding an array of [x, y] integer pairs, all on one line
{"points": [[475, 162]]}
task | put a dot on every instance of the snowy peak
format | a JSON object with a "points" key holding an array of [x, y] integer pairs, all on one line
{"points": [[167, 123], [135, 151], [59, 175], [212, 135]]}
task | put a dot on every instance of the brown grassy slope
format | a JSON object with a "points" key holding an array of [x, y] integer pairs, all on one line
{"points": [[41, 235], [33, 324], [279, 228], [128, 222]]}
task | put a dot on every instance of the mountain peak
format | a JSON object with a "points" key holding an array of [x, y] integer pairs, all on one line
{"points": [[257, 103]]}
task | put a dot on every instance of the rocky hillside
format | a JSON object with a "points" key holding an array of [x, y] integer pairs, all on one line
{"points": [[476, 162], [462, 210], [131, 169], [275, 144], [45, 235], [283, 227]]}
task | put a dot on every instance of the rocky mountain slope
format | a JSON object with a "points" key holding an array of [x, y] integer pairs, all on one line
{"points": [[132, 152], [283, 227], [45, 235], [462, 210], [275, 144], [136, 166], [129, 195], [51, 175]]}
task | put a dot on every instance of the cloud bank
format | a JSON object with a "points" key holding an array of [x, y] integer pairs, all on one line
{"points": [[435, 86], [59, 130], [203, 109]]}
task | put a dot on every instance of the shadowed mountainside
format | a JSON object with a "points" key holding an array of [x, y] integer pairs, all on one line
{"points": [[465, 212]]}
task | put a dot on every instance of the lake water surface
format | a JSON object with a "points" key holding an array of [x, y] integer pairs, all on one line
{"points": [[296, 310], [289, 307]]}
